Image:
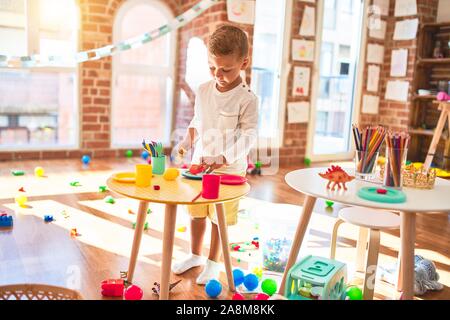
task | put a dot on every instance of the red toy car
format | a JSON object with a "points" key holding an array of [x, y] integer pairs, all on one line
{"points": [[112, 288]]}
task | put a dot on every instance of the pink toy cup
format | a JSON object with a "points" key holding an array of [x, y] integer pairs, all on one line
{"points": [[210, 186]]}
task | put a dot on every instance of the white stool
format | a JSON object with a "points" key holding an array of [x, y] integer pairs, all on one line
{"points": [[366, 219]]}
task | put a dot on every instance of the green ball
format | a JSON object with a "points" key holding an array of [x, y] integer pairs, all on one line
{"points": [[354, 293], [129, 153], [307, 162], [269, 286]]}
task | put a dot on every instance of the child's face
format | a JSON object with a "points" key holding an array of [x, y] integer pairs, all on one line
{"points": [[226, 69]]}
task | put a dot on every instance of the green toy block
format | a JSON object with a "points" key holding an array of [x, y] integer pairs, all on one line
{"points": [[18, 172], [102, 189], [75, 184], [258, 164], [149, 211], [145, 225], [307, 162], [329, 203], [110, 199]]}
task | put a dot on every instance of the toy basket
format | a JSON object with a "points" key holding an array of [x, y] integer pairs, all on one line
{"points": [[37, 292]]}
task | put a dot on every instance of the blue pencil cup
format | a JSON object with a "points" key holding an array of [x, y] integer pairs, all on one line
{"points": [[159, 164]]}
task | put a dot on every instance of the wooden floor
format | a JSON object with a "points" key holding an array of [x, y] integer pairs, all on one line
{"points": [[37, 252]]}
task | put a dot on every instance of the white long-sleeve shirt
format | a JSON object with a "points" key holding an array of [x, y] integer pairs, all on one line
{"points": [[227, 124]]}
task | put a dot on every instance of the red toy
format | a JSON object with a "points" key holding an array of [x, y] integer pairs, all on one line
{"points": [[381, 191], [112, 288], [337, 176], [156, 187], [262, 296], [237, 296], [133, 292]]}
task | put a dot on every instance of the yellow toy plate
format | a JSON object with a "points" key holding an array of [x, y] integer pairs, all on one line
{"points": [[126, 177]]}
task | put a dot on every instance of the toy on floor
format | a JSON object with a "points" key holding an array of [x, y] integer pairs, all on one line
{"points": [[85, 159], [39, 171], [21, 200], [337, 176], [237, 296], [128, 153], [112, 287], [254, 169], [21, 189], [353, 293], [145, 225], [269, 286], [213, 288], [18, 172], [258, 271], [238, 276], [182, 229], [74, 232], [75, 184], [324, 277], [426, 276], [48, 218], [102, 189], [251, 281], [329, 203], [157, 289], [109, 199], [262, 296], [133, 292], [6, 221]]}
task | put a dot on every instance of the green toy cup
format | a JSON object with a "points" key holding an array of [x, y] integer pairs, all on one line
{"points": [[159, 164]]}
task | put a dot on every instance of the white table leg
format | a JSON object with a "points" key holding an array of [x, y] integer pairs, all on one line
{"points": [[308, 206], [408, 237], [371, 265], [170, 218], [361, 248], [223, 234], [139, 229]]}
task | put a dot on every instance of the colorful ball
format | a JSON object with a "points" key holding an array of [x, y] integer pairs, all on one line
{"points": [[262, 296], [269, 286], [144, 155], [21, 200], [237, 296], [128, 153], [86, 159], [133, 292], [213, 288], [251, 281], [238, 276], [39, 171], [354, 293], [171, 174]]}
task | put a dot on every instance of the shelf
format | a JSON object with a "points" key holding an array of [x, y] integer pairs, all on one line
{"points": [[424, 132], [424, 97], [436, 25], [433, 61]]}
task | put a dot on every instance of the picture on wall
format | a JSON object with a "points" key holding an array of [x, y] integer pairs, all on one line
{"points": [[301, 81], [302, 50]]}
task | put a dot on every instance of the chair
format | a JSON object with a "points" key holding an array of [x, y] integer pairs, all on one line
{"points": [[368, 220], [32, 291]]}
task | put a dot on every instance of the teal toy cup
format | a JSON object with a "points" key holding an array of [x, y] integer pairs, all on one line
{"points": [[159, 164]]}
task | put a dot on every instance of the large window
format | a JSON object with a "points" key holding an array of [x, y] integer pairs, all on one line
{"points": [[266, 64], [142, 77], [38, 106]]}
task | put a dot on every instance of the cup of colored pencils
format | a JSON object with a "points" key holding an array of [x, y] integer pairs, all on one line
{"points": [[396, 151], [368, 143]]}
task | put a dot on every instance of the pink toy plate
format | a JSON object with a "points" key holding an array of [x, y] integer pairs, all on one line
{"points": [[232, 179]]}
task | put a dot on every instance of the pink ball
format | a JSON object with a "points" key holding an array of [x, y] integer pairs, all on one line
{"points": [[238, 296], [133, 292], [262, 296]]}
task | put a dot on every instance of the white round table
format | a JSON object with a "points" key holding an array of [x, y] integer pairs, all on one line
{"points": [[308, 182]]}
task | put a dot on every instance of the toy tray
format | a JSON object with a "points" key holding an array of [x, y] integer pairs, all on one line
{"points": [[125, 177], [232, 179], [189, 175], [392, 195]]}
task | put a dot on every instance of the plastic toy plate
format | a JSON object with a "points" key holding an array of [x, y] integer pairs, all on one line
{"points": [[126, 177], [391, 196], [232, 179], [189, 175]]}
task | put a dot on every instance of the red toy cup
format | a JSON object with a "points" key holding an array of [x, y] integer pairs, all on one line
{"points": [[210, 186]]}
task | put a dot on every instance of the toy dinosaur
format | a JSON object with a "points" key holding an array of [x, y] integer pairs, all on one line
{"points": [[338, 176]]}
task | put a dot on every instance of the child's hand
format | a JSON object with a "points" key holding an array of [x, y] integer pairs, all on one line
{"points": [[213, 163]]}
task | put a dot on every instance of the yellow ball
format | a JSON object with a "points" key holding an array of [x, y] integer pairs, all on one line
{"points": [[21, 200], [171, 174], [39, 171]]}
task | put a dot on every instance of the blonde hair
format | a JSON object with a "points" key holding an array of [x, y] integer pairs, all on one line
{"points": [[228, 39]]}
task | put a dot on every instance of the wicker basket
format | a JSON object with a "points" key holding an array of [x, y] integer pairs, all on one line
{"points": [[33, 291]]}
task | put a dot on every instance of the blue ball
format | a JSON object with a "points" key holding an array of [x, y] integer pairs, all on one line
{"points": [[144, 155], [238, 276], [213, 288], [86, 159], [251, 281]]}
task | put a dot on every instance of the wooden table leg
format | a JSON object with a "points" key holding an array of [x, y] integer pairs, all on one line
{"points": [[408, 237], [308, 206], [141, 216], [223, 233], [371, 265], [361, 247], [170, 218]]}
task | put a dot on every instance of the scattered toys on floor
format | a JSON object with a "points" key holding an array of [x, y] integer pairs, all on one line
{"points": [[6, 221], [262, 296], [74, 232], [145, 225], [102, 189], [157, 289], [182, 229], [39, 171], [21, 200], [112, 288], [75, 183], [251, 281], [133, 292], [85, 159], [329, 203], [48, 218], [18, 172], [353, 293], [110, 199], [238, 276], [213, 288], [21, 189], [237, 296], [269, 286]]}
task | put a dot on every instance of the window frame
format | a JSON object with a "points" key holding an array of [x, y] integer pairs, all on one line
{"points": [[33, 47], [118, 68]]}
